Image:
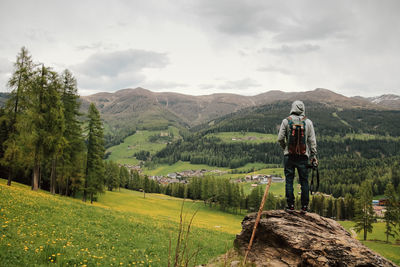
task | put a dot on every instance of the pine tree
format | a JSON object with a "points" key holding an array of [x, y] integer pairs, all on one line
{"points": [[365, 215], [54, 124], [123, 177], [395, 175], [391, 217], [95, 152], [111, 175], [33, 127], [350, 206], [19, 83], [72, 156]]}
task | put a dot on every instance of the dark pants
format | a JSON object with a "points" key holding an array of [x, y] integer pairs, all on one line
{"points": [[290, 164]]}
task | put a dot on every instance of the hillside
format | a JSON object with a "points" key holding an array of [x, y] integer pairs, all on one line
{"points": [[41, 229], [121, 229], [130, 109], [388, 100]]}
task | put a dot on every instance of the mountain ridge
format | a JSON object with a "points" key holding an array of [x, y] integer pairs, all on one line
{"points": [[188, 110]]}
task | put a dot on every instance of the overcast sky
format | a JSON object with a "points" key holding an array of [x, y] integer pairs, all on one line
{"points": [[209, 46]]}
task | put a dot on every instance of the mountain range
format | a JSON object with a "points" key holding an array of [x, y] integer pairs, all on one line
{"points": [[146, 108]]}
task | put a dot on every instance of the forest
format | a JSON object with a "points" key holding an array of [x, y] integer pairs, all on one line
{"points": [[45, 140]]}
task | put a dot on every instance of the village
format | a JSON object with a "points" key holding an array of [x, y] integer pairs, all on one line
{"points": [[182, 177]]}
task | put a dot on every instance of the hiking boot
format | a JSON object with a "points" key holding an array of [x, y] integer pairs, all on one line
{"points": [[289, 208], [304, 209]]}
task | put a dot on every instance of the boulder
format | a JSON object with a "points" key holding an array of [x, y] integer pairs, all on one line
{"points": [[303, 239]]}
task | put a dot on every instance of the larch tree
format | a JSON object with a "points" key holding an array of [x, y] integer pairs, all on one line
{"points": [[94, 174], [54, 139], [19, 83], [365, 214], [71, 167]]}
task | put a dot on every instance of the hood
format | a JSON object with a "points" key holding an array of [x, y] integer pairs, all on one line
{"points": [[298, 108]]}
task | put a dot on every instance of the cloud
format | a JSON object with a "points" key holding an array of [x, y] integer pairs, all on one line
{"points": [[239, 84], [109, 84], [95, 46], [114, 63], [275, 69], [291, 49], [286, 21], [157, 85], [116, 70], [5, 66]]}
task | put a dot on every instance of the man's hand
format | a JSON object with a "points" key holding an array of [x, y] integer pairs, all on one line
{"points": [[314, 162]]}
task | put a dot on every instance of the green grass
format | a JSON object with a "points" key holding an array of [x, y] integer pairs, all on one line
{"points": [[248, 137], [38, 228], [377, 241], [358, 136], [123, 153], [179, 166], [278, 189], [334, 114]]}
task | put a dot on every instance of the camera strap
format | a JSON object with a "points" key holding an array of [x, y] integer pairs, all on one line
{"points": [[312, 190]]}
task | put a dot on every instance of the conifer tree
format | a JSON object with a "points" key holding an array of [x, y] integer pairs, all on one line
{"points": [[111, 175], [54, 124], [72, 157], [365, 215], [19, 83], [33, 127], [123, 177], [95, 152], [391, 217]]}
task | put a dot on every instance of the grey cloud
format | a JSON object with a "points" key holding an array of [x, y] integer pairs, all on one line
{"points": [[292, 49], [95, 46], [5, 66], [205, 86], [109, 84], [114, 63], [240, 84], [163, 85], [287, 21], [36, 34], [275, 69]]}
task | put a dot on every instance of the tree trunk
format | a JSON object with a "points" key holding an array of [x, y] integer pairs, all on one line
{"points": [[67, 186], [10, 174], [53, 176], [84, 193], [91, 198], [35, 181]]}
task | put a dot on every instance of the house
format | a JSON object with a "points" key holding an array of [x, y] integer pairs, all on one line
{"points": [[172, 175], [379, 211], [383, 202]]}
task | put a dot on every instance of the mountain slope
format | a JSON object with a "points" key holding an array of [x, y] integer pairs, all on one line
{"points": [[388, 100], [137, 105]]}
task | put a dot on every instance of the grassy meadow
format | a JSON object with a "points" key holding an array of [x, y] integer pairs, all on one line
{"points": [[38, 228], [123, 153], [250, 137], [122, 228], [164, 169]]}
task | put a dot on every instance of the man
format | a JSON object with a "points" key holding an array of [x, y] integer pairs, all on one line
{"points": [[297, 139]]}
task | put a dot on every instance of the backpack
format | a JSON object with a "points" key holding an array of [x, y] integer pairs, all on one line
{"points": [[297, 138]]}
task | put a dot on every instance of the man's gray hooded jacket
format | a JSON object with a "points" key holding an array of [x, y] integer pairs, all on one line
{"points": [[297, 113]]}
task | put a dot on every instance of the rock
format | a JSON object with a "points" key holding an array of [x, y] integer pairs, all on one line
{"points": [[297, 239]]}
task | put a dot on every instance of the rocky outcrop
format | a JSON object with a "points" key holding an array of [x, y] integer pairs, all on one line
{"points": [[297, 239]]}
